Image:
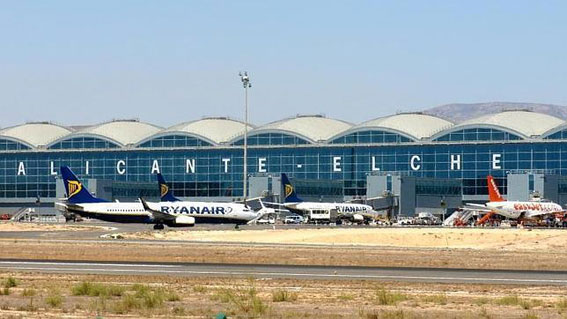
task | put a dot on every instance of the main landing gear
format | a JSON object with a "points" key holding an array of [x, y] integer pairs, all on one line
{"points": [[159, 226]]}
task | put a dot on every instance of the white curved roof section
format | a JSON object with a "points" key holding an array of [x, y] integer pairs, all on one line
{"points": [[312, 128], [212, 130], [34, 134], [414, 126], [522, 123], [121, 132], [554, 130]]}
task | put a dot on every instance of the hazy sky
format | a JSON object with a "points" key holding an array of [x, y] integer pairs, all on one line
{"points": [[74, 62]]}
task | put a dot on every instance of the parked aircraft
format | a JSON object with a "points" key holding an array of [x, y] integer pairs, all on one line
{"points": [[514, 209], [171, 213], [352, 211]]}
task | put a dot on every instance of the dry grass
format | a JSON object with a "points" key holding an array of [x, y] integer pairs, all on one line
{"points": [[80, 296]]}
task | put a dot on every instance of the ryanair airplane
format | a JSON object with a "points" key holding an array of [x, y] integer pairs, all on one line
{"points": [[170, 211], [352, 211]]}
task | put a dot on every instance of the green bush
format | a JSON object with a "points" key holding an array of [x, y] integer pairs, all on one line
{"points": [[54, 299], [97, 290], [10, 282]]}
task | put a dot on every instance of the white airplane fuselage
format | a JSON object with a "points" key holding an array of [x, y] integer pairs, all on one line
{"points": [[517, 209], [343, 208], [206, 212]]}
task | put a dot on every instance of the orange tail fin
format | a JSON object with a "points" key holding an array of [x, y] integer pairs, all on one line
{"points": [[493, 192]]}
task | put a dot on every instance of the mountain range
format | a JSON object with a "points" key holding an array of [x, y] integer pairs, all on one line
{"points": [[459, 112]]}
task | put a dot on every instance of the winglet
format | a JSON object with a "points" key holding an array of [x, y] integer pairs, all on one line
{"points": [[289, 191], [493, 192], [165, 193], [145, 204]]}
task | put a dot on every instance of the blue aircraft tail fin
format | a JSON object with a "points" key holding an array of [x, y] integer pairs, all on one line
{"points": [[77, 193], [289, 191], [165, 193]]}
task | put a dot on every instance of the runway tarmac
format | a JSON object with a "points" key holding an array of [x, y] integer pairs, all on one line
{"points": [[508, 277]]}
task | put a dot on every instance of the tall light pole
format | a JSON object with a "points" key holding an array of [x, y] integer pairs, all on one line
{"points": [[246, 84]]}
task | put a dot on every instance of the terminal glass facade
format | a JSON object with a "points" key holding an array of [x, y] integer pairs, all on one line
{"points": [[7, 145], [217, 171], [364, 137], [83, 142], [175, 141], [272, 139], [478, 134]]}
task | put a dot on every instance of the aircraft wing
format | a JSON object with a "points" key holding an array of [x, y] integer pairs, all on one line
{"points": [[476, 207], [156, 214]]}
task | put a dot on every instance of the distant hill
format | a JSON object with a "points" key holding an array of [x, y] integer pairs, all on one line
{"points": [[458, 112]]}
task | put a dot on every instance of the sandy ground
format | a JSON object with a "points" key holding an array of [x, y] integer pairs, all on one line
{"points": [[51, 296], [19, 227], [460, 238]]}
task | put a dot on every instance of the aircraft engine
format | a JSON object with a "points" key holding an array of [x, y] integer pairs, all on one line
{"points": [[184, 221], [357, 218]]}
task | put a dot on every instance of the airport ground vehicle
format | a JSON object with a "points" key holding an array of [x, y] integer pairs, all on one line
{"points": [[293, 219]]}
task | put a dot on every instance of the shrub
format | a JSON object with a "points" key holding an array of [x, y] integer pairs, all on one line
{"points": [[28, 292], [126, 304], [200, 289], [54, 299], [97, 289], [281, 295], [10, 282], [384, 297]]}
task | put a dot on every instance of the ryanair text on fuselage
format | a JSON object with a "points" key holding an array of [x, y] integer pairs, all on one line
{"points": [[195, 210]]}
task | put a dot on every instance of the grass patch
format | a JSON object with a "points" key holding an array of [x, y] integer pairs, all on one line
{"points": [[345, 297], [199, 289], [242, 300], [178, 311], [97, 290], [440, 299], [385, 297], [508, 301], [282, 295], [516, 301], [530, 315], [561, 304], [54, 299], [10, 282], [481, 301], [126, 304], [29, 292], [171, 295], [5, 291]]}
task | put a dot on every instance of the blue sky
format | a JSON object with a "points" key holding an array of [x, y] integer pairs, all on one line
{"points": [[75, 62]]}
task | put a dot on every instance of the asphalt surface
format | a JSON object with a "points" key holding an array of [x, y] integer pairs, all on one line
{"points": [[295, 272]]}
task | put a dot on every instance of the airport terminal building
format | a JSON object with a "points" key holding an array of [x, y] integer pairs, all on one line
{"points": [[419, 159]]}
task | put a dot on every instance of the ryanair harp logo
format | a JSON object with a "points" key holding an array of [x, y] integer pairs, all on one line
{"points": [[288, 190], [163, 189], [74, 187]]}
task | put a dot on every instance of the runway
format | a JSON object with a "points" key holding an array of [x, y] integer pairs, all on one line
{"points": [[435, 275]]}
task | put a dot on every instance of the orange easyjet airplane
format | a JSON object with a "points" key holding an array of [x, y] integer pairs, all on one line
{"points": [[515, 209]]}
